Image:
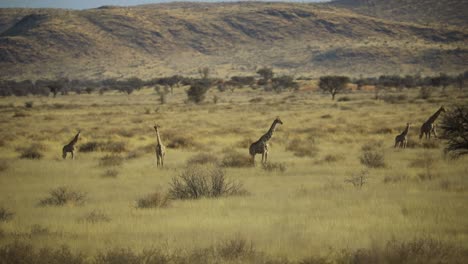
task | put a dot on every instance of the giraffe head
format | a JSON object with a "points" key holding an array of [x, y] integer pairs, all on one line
{"points": [[156, 127], [442, 109], [278, 120]]}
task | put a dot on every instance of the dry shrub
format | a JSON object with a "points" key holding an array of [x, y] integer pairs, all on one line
{"points": [[90, 146], [384, 130], [63, 196], [111, 173], [181, 142], [358, 180], [331, 158], [33, 151], [95, 216], [111, 160], [256, 100], [154, 200], [326, 116], [234, 159], [274, 167], [244, 143], [344, 99], [114, 146], [302, 148], [5, 214], [395, 99], [395, 177], [198, 181], [123, 256], [424, 250], [19, 252], [203, 158], [237, 248], [431, 144], [452, 186], [20, 114], [372, 155]]}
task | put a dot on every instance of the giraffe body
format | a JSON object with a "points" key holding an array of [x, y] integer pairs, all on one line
{"points": [[261, 145], [70, 147], [160, 149], [429, 127], [402, 139]]}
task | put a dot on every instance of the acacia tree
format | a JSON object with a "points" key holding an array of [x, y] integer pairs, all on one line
{"points": [[198, 88], [266, 74], [455, 129], [333, 84]]}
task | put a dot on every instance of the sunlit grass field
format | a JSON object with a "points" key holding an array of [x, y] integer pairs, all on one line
{"points": [[309, 208]]}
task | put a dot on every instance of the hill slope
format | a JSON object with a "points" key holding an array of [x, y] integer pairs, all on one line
{"points": [[230, 38], [448, 12]]}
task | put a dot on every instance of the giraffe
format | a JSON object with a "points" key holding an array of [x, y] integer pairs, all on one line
{"points": [[402, 139], [70, 147], [429, 127], [261, 145], [160, 149]]}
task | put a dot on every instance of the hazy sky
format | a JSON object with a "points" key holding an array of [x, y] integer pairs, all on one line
{"points": [[83, 4]]}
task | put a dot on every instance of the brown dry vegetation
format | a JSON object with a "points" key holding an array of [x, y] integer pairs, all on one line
{"points": [[301, 202]]}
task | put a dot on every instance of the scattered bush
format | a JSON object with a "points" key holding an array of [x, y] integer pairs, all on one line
{"points": [[431, 144], [237, 248], [114, 146], [330, 158], [63, 196], [203, 158], [395, 99], [111, 160], [19, 252], [5, 215], [358, 180], [344, 99], [234, 159], [182, 142], [154, 200], [373, 159], [89, 146], [326, 116], [274, 166], [94, 217], [302, 148], [121, 256], [31, 152], [20, 114], [29, 104], [256, 100], [203, 181]]}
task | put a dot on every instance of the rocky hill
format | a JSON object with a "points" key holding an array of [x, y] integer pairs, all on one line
{"points": [[230, 38]]}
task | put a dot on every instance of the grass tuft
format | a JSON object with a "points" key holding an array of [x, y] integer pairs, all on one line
{"points": [[154, 200]]}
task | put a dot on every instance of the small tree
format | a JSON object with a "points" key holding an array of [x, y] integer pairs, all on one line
{"points": [[196, 92], [204, 72], [333, 84], [284, 82], [455, 130], [266, 74]]}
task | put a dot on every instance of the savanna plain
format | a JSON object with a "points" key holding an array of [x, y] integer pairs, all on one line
{"points": [[319, 199]]}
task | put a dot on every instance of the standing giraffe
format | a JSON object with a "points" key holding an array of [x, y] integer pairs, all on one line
{"points": [[429, 127], [160, 149], [70, 147], [402, 139], [261, 145]]}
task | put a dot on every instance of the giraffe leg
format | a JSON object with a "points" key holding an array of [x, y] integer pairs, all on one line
{"points": [[162, 161], [252, 159], [157, 160], [73, 155], [263, 157], [64, 154]]}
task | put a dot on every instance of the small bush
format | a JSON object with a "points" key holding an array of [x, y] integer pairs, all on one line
{"points": [[358, 180], [373, 159], [256, 100], [274, 166], [234, 159], [116, 147], [395, 99], [20, 114], [31, 152], [154, 200], [111, 160], [395, 177], [29, 104], [344, 99], [203, 158], [63, 196], [5, 215], [330, 158], [181, 142], [94, 217], [19, 252], [425, 93], [302, 148], [237, 248], [431, 144], [203, 181], [89, 146], [327, 116], [110, 173], [123, 256]]}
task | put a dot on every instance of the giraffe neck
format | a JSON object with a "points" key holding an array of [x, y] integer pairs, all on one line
{"points": [[269, 134], [434, 116], [158, 137], [74, 140], [405, 132]]}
